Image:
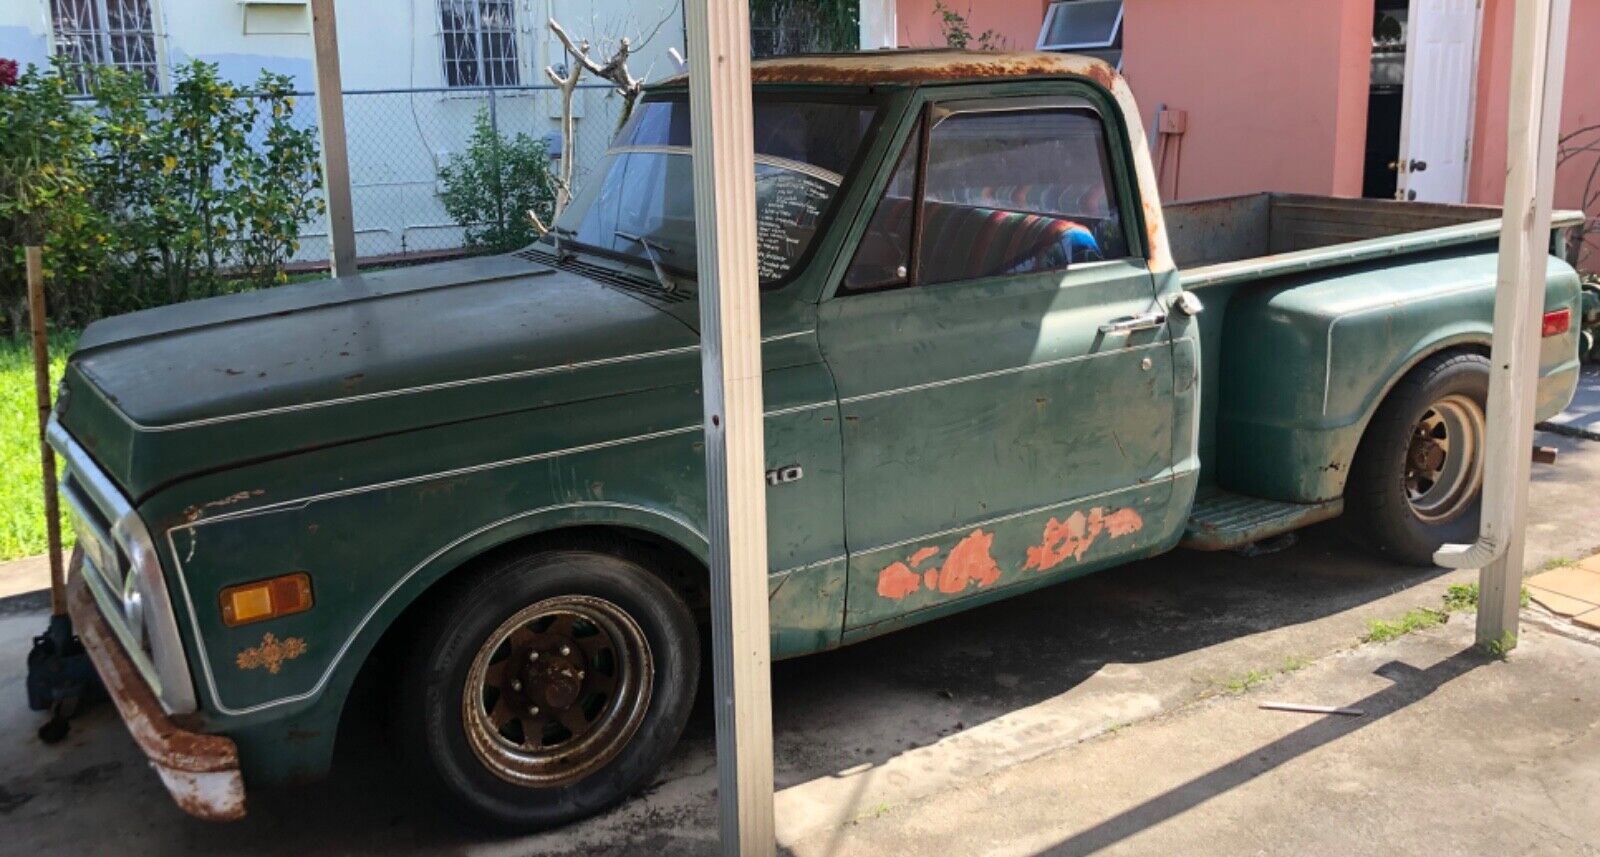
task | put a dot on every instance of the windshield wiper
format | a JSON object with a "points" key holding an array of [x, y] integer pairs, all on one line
{"points": [[668, 284]]}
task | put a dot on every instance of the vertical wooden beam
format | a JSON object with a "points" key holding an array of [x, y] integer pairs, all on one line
{"points": [[730, 333], [1538, 67], [34, 259], [335, 155]]}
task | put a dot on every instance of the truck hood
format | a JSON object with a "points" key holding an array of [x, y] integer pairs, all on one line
{"points": [[159, 395]]}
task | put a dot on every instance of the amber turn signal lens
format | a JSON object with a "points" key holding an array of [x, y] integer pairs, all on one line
{"points": [[1556, 323], [266, 599]]}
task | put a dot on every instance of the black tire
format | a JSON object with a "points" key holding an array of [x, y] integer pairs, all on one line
{"points": [[432, 705], [1378, 503]]}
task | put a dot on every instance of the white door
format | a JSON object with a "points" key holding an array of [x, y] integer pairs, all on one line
{"points": [[1441, 78]]}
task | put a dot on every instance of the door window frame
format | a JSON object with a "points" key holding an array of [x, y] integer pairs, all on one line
{"points": [[932, 110]]}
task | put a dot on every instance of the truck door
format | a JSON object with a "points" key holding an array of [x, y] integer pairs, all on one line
{"points": [[1005, 378]]}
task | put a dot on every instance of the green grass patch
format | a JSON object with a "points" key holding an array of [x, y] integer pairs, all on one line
{"points": [[1242, 683], [1382, 631], [21, 494], [1257, 677], [1461, 597], [1499, 649]]}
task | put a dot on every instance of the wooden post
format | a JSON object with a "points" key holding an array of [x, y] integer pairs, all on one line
{"points": [[1538, 66], [730, 334], [42, 397], [330, 124]]}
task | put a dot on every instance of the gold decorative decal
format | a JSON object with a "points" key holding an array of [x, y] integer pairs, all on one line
{"points": [[271, 653]]}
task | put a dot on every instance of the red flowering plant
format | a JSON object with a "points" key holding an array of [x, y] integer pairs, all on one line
{"points": [[8, 72]]}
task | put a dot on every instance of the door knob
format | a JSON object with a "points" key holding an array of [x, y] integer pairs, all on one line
{"points": [[1418, 166]]}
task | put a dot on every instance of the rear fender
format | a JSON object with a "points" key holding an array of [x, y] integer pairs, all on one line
{"points": [[1306, 364]]}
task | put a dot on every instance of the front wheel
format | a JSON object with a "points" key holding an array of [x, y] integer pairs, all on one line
{"points": [[1418, 476], [549, 687]]}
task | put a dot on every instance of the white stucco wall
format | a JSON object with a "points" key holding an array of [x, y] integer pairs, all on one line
{"points": [[397, 141]]}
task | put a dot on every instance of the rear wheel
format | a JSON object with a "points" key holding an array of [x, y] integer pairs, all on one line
{"points": [[1418, 476], [551, 686]]}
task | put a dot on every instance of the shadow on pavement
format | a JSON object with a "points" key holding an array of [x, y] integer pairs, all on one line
{"points": [[1410, 685]]}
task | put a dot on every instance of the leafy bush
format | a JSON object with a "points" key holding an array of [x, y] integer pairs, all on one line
{"points": [[155, 200], [44, 149], [958, 34], [490, 187]]}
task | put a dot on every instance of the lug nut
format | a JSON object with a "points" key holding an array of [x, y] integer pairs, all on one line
{"points": [[566, 650], [533, 656], [516, 685], [533, 711]]}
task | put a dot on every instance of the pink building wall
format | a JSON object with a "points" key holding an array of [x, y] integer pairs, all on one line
{"points": [[1275, 91], [1017, 22], [1580, 106]]}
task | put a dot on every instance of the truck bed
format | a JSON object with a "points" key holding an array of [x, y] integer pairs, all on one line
{"points": [[1234, 238], [1247, 249]]}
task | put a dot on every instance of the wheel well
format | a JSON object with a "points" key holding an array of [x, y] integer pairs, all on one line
{"points": [[1479, 348], [675, 565]]}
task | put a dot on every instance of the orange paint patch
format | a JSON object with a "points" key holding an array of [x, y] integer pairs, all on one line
{"points": [[1124, 522], [896, 581], [970, 561], [1072, 538]]}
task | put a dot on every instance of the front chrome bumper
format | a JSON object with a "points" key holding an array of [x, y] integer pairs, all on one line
{"points": [[123, 574], [200, 771]]}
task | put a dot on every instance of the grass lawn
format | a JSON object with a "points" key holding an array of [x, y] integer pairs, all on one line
{"points": [[21, 497]]}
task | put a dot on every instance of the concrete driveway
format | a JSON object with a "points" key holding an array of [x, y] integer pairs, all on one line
{"points": [[863, 735]]}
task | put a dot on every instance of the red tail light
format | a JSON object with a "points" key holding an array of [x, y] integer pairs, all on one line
{"points": [[1556, 323]]}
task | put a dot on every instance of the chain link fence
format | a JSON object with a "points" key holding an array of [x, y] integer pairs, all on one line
{"points": [[399, 139]]}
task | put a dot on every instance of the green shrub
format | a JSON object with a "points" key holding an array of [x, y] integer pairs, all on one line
{"points": [[490, 187], [45, 147], [171, 200], [958, 33]]}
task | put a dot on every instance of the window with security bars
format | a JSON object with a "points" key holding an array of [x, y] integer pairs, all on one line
{"points": [[480, 42], [119, 33]]}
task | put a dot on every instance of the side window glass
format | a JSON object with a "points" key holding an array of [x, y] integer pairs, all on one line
{"points": [[884, 254], [1017, 192]]}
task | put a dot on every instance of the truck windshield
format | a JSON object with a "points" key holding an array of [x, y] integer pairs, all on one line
{"points": [[639, 203]]}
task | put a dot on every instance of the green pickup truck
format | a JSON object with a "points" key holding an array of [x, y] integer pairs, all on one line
{"points": [[993, 361]]}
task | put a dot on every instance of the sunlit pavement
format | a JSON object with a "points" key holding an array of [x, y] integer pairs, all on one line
{"points": [[1097, 713]]}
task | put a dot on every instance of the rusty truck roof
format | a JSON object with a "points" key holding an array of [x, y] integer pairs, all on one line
{"points": [[869, 68]]}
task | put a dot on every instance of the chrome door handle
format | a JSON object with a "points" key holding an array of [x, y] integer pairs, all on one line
{"points": [[1132, 323]]}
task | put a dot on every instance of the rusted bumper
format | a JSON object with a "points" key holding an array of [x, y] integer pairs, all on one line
{"points": [[201, 771]]}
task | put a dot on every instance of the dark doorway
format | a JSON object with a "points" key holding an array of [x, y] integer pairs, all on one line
{"points": [[1386, 99]]}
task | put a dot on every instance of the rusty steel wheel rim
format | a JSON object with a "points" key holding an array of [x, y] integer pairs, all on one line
{"points": [[557, 691], [1444, 461]]}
